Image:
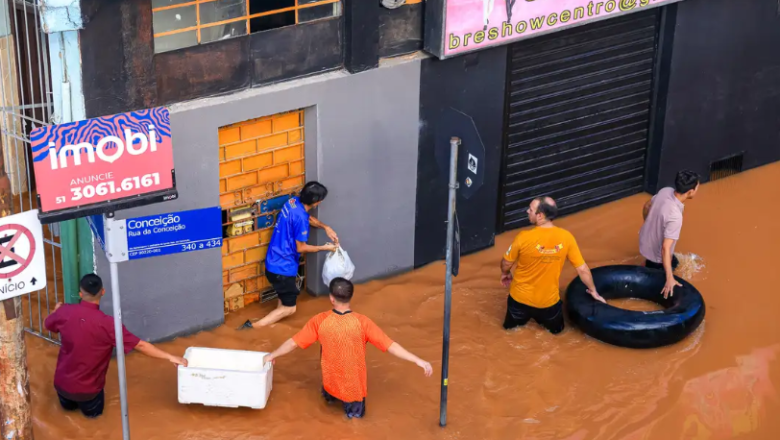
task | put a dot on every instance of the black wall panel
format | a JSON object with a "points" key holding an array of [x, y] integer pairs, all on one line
{"points": [[203, 70], [473, 85], [401, 30], [724, 86], [361, 35], [295, 51]]}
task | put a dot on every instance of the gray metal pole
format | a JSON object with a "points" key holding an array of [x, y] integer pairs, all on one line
{"points": [[120, 340], [445, 362], [120, 350]]}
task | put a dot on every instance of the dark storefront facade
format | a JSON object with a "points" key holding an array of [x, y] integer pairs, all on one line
{"points": [[723, 83], [609, 108], [348, 93]]}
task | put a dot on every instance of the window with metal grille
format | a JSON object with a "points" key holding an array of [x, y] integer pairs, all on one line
{"points": [[184, 23]]}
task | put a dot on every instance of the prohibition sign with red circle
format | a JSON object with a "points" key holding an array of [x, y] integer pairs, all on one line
{"points": [[5, 249]]}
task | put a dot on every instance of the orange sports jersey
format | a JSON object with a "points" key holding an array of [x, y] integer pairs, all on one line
{"points": [[540, 254], [343, 338]]}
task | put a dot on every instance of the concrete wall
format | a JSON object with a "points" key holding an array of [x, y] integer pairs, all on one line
{"points": [[361, 142]]}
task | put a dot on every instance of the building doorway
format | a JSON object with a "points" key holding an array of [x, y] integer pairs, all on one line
{"points": [[261, 165]]}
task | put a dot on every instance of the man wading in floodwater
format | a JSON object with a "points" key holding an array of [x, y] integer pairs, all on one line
{"points": [[88, 341], [288, 242], [343, 335], [663, 216], [539, 254]]}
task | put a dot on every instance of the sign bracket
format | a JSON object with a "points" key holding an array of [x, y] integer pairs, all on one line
{"points": [[116, 238]]}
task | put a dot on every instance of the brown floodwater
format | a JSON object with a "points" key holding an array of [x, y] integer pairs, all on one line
{"points": [[717, 384], [634, 304]]}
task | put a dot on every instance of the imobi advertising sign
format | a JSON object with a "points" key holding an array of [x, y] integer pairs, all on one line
{"points": [[104, 164], [461, 26]]}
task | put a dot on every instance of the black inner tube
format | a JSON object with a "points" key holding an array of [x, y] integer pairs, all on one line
{"points": [[682, 312]]}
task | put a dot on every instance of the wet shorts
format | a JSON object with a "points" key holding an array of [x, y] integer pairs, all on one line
{"points": [[353, 410], [518, 314], [653, 265], [286, 288], [90, 408]]}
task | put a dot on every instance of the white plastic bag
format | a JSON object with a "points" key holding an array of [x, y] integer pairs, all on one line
{"points": [[337, 265]]}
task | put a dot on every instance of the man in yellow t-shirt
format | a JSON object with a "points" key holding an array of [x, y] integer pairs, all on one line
{"points": [[539, 254]]}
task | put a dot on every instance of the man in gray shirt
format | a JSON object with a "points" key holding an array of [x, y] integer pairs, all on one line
{"points": [[663, 221]]}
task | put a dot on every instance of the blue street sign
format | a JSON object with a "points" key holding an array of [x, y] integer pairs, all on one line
{"points": [[184, 231]]}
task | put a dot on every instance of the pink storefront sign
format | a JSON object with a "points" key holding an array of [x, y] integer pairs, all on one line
{"points": [[103, 164], [470, 25]]}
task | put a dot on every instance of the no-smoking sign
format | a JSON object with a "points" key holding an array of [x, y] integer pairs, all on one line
{"points": [[22, 260]]}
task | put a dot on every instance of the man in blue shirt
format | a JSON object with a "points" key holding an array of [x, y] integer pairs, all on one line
{"points": [[288, 242]]}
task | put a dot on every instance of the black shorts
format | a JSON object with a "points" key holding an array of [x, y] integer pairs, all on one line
{"points": [[653, 265], [90, 408], [353, 410], [286, 288], [518, 314]]}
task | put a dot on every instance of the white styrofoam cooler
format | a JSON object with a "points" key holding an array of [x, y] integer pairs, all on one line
{"points": [[229, 378]]}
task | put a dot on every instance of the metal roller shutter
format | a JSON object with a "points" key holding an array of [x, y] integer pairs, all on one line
{"points": [[578, 116]]}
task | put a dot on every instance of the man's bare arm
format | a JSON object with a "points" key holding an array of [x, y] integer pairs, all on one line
{"points": [[667, 257], [506, 266], [671, 282], [396, 350], [154, 352], [306, 248], [313, 221], [284, 349], [587, 278], [506, 274]]}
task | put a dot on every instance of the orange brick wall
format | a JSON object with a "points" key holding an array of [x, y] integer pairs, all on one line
{"points": [[259, 159]]}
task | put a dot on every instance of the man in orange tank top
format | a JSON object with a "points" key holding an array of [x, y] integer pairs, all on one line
{"points": [[539, 254], [343, 335]]}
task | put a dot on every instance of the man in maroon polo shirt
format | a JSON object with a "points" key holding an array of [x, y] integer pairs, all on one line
{"points": [[88, 340]]}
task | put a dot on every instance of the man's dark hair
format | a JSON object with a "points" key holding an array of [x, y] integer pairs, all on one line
{"points": [[685, 181], [342, 289], [547, 207], [91, 284], [313, 192]]}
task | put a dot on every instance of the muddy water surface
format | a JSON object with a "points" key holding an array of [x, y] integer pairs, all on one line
{"points": [[634, 304], [717, 384]]}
